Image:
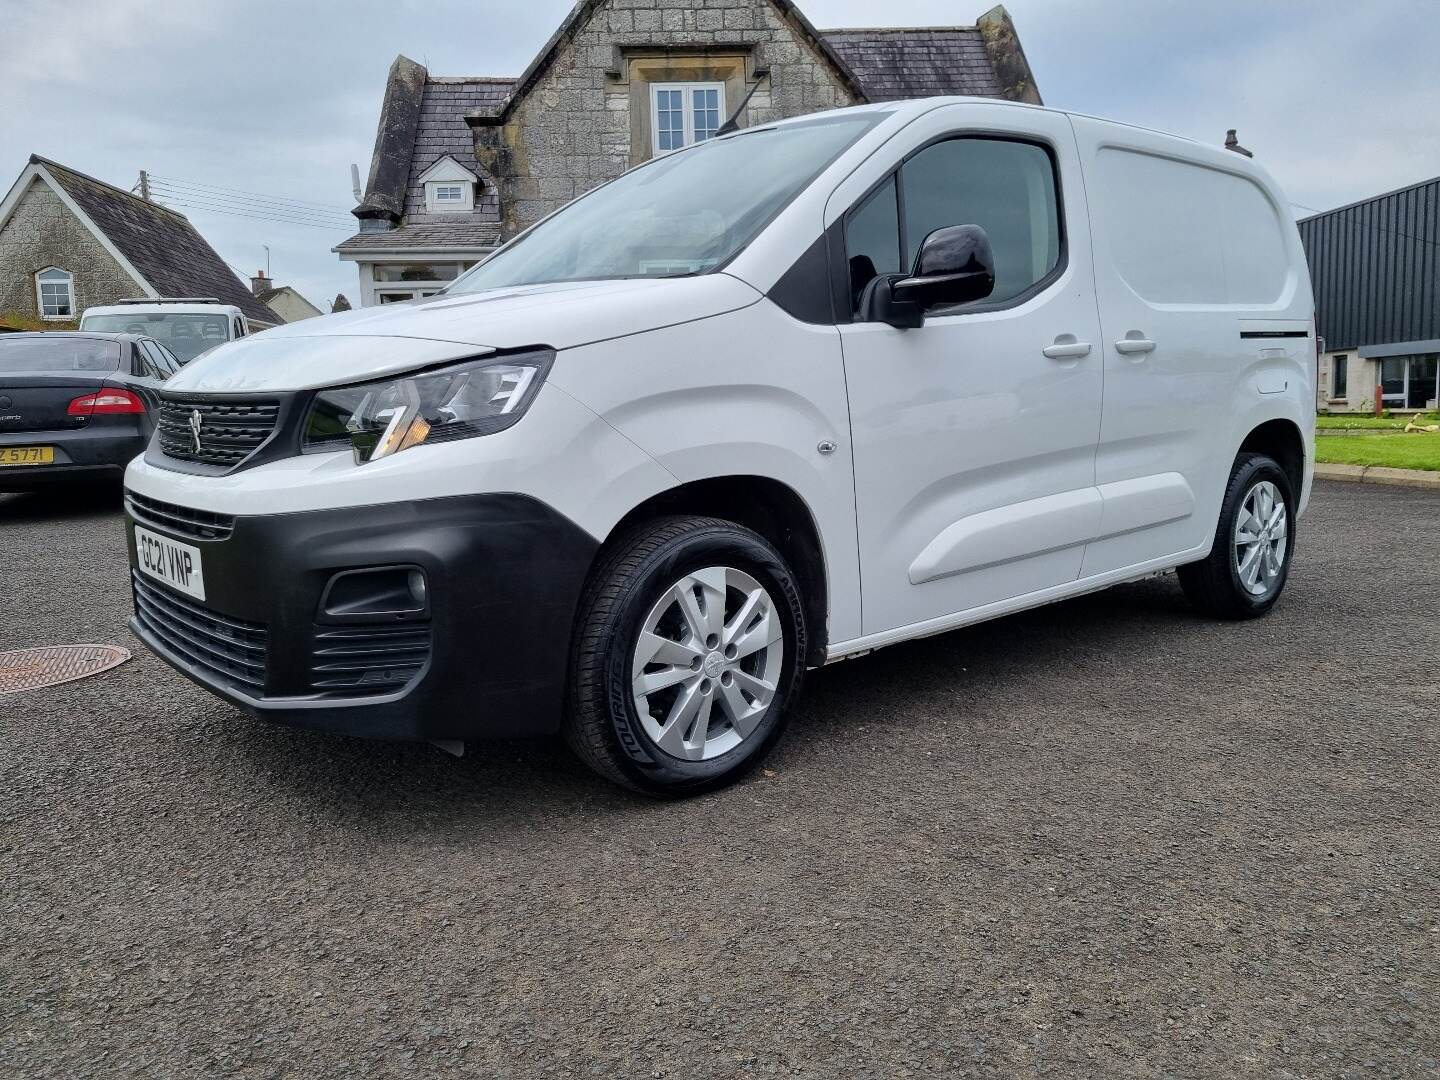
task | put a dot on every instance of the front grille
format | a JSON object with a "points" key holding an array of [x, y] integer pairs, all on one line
{"points": [[196, 524], [355, 660], [231, 649], [230, 430]]}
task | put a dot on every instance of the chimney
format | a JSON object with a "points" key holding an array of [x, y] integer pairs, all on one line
{"points": [[1232, 143], [260, 283]]}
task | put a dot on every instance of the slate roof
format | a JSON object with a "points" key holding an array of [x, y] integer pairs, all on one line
{"points": [[897, 63], [442, 132], [452, 236], [160, 243]]}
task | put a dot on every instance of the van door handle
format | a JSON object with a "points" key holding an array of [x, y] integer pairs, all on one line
{"points": [[1067, 348], [1130, 346]]}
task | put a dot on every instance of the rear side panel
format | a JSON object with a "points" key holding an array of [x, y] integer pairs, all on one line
{"points": [[1195, 256]]}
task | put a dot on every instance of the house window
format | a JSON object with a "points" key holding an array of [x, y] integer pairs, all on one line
{"points": [[685, 113], [1338, 375], [54, 291], [449, 196]]}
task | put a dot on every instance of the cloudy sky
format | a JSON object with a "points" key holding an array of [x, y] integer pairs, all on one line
{"points": [[233, 105]]}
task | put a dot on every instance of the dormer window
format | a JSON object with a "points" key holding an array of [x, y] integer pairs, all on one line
{"points": [[450, 197], [450, 188]]}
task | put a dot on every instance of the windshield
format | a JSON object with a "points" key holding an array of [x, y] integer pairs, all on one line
{"points": [[687, 213], [187, 336], [56, 353]]}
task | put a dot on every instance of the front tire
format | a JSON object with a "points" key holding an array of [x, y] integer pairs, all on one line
{"points": [[689, 651], [1249, 563]]}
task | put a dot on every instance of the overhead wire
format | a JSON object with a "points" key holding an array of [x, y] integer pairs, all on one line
{"points": [[273, 211]]}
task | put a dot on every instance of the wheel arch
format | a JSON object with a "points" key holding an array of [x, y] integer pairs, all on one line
{"points": [[769, 507], [1282, 440]]}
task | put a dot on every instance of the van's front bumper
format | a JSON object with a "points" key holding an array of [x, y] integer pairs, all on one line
{"points": [[487, 658]]}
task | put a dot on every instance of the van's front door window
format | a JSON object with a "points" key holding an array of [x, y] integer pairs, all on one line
{"points": [[1004, 186]]}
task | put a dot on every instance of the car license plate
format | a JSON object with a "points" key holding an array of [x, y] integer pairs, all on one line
{"points": [[27, 455], [174, 563]]}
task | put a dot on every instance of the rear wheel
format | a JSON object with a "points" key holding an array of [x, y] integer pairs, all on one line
{"points": [[689, 651], [1248, 564]]}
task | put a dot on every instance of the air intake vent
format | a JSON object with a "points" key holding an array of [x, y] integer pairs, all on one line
{"points": [[231, 648], [168, 517], [350, 661], [215, 432]]}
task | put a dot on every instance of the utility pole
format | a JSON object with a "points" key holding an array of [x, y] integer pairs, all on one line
{"points": [[144, 185]]}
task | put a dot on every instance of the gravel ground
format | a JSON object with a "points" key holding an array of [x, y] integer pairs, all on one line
{"points": [[1103, 839]]}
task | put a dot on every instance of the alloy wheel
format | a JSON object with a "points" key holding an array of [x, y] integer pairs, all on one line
{"points": [[1261, 539], [707, 662]]}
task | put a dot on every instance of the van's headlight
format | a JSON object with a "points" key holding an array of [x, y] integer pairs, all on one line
{"points": [[476, 397]]}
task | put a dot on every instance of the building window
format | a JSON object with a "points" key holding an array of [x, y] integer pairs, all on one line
{"points": [[420, 271], [55, 294], [685, 113], [449, 196], [1410, 382], [396, 296], [1338, 375]]}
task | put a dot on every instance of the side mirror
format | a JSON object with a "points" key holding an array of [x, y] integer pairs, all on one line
{"points": [[955, 265]]}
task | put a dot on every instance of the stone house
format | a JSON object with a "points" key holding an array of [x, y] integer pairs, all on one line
{"points": [[284, 300], [462, 164], [69, 241]]}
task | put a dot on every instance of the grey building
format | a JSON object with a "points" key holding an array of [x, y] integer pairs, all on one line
{"points": [[69, 241], [1375, 266], [462, 164]]}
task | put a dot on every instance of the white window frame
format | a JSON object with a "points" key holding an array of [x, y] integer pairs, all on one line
{"points": [[69, 294], [687, 111], [463, 205]]}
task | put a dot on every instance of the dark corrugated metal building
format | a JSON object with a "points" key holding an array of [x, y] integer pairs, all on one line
{"points": [[1375, 267]]}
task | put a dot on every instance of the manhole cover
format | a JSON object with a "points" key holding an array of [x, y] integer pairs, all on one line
{"points": [[30, 669]]}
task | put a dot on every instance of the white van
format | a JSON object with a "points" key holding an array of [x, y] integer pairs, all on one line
{"points": [[760, 405], [187, 326]]}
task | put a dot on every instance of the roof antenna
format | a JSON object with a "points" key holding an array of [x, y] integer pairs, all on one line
{"points": [[732, 125], [355, 183], [1232, 143]]}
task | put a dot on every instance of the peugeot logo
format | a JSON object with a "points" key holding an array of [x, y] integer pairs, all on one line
{"points": [[195, 429]]}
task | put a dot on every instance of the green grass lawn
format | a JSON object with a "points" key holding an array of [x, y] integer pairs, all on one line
{"points": [[1413, 451], [1356, 422]]}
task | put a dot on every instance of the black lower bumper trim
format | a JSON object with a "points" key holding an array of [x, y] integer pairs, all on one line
{"points": [[504, 575]]}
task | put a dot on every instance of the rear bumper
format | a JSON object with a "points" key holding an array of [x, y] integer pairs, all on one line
{"points": [[80, 455], [503, 574]]}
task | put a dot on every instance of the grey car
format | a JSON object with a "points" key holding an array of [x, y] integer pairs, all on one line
{"points": [[76, 406]]}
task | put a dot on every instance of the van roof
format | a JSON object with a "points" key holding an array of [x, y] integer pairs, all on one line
{"points": [[915, 106], [178, 307]]}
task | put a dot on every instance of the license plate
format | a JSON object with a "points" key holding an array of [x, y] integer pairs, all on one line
{"points": [[174, 563], [27, 455]]}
